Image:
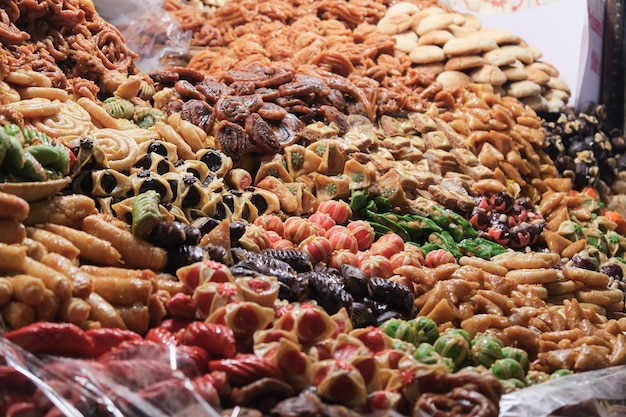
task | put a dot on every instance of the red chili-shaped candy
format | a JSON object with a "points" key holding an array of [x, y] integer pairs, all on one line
{"points": [[163, 336], [63, 339], [217, 339], [105, 339]]}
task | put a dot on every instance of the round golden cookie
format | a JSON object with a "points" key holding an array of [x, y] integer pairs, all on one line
{"points": [[392, 25], [523, 88], [488, 74], [453, 79], [558, 84], [426, 54], [535, 52], [471, 20], [502, 37], [461, 31], [515, 72], [521, 53], [554, 93], [545, 67], [406, 41], [500, 57], [433, 68], [404, 7], [537, 103], [461, 47], [435, 21], [458, 63], [538, 76], [435, 37]]}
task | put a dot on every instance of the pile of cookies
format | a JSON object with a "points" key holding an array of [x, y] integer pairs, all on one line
{"points": [[457, 48]]}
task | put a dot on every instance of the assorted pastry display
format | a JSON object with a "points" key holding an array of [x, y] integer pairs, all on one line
{"points": [[333, 208]]}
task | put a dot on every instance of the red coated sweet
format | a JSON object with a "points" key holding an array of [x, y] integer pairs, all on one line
{"points": [[344, 241], [270, 222], [245, 368], [318, 248], [217, 339], [105, 339], [404, 258], [388, 245], [363, 232], [343, 257], [274, 236], [339, 210], [298, 229], [438, 257], [162, 335], [323, 219], [258, 236], [63, 339], [181, 306], [376, 266], [283, 244]]}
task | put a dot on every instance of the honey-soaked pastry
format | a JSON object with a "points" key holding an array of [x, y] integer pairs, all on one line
{"points": [[71, 121], [120, 149]]}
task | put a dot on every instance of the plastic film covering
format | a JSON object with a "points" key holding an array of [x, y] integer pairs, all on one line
{"points": [[145, 381], [599, 393]]}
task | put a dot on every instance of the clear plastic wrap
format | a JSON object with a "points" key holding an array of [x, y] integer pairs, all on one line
{"points": [[599, 393], [147, 380], [149, 31]]}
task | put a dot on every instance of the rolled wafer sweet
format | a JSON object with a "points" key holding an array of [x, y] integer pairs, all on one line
{"points": [[533, 275]]}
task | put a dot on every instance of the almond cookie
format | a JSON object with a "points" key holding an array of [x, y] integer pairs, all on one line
{"points": [[392, 25], [538, 76], [500, 57], [488, 74], [558, 84], [523, 89], [464, 62], [545, 67], [435, 37], [433, 67], [402, 8], [515, 72], [537, 103], [454, 79], [461, 47], [502, 37], [521, 53], [406, 41], [436, 21], [426, 54]]}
